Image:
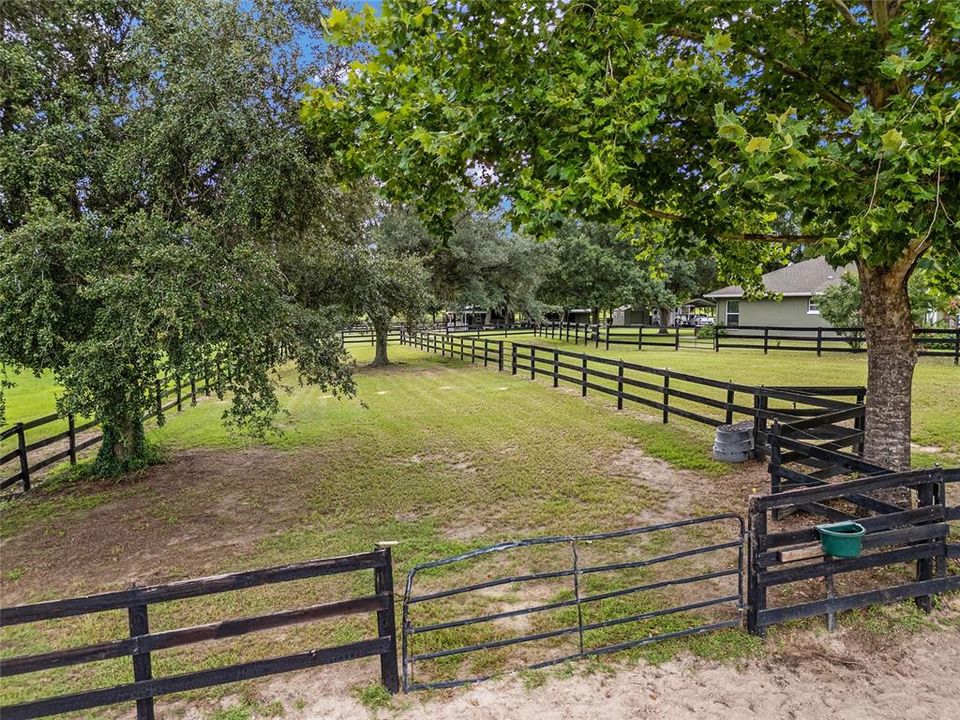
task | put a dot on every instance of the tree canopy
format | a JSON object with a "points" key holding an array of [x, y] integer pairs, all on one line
{"points": [[153, 164], [480, 263], [720, 119]]}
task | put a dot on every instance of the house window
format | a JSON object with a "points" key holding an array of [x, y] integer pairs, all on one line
{"points": [[813, 305], [733, 313]]}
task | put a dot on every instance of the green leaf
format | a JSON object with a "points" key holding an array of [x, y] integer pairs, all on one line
{"points": [[758, 144], [338, 18], [892, 141], [731, 131]]}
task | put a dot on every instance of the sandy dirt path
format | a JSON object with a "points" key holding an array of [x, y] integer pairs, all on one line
{"points": [[844, 676]]}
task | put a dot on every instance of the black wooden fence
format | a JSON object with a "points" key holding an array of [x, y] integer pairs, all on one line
{"points": [[930, 342], [142, 642], [918, 535], [703, 400], [71, 441]]}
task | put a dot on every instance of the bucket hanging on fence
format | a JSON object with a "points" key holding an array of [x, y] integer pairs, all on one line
{"points": [[842, 539]]}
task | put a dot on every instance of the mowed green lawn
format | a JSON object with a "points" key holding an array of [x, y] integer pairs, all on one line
{"points": [[440, 457], [437, 456], [936, 385]]}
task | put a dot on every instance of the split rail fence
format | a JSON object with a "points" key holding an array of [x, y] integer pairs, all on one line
{"points": [[71, 440], [703, 400], [930, 342], [141, 642]]}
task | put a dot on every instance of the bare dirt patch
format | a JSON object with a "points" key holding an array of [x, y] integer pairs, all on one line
{"points": [[199, 507], [685, 492]]}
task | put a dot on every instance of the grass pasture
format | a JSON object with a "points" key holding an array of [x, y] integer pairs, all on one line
{"points": [[438, 456]]}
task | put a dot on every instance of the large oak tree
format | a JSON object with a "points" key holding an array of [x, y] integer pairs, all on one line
{"points": [[152, 168], [720, 118]]}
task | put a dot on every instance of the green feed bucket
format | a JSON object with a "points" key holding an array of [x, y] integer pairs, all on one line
{"points": [[842, 539]]}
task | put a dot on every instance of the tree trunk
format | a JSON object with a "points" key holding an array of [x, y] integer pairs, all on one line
{"points": [[124, 445], [888, 329], [664, 314], [380, 359]]}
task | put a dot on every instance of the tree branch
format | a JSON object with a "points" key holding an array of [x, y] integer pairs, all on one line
{"points": [[845, 12], [832, 98], [743, 237], [772, 238]]}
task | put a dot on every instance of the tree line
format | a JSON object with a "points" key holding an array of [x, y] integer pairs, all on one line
{"points": [[185, 182]]}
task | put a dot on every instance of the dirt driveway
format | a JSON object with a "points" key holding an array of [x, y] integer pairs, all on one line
{"points": [[808, 675]]}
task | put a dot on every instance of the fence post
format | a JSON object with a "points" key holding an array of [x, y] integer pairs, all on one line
{"points": [[729, 417], [193, 391], [583, 375], [925, 498], [72, 436], [956, 348], [22, 450], [473, 351], [860, 423], [513, 359], [716, 338], [142, 670], [556, 368], [819, 341], [760, 424], [756, 596], [774, 466], [608, 337], [620, 385], [387, 620], [499, 355], [486, 347], [640, 338], [766, 339], [179, 394], [666, 399], [533, 363]]}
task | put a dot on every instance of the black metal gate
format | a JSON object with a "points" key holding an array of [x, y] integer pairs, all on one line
{"points": [[700, 536]]}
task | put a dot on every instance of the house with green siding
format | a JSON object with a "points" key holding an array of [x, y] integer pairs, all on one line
{"points": [[794, 291]]}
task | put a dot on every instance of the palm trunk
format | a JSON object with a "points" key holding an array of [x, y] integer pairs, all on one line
{"points": [[888, 328]]}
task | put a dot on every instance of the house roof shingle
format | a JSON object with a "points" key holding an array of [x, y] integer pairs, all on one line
{"points": [[808, 277]]}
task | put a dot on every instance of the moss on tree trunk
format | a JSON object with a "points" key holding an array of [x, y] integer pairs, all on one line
{"points": [[124, 446]]}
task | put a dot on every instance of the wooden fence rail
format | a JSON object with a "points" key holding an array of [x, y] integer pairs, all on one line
{"points": [[894, 536], [930, 342], [704, 400], [142, 642], [163, 397]]}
